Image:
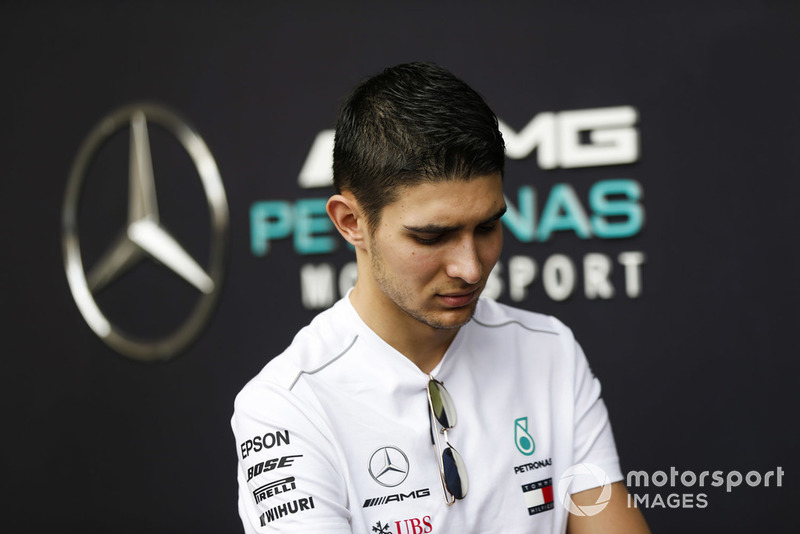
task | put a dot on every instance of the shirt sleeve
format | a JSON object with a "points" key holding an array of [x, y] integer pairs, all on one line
{"points": [[594, 445], [288, 479]]}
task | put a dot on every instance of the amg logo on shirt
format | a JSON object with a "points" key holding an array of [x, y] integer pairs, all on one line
{"points": [[397, 497], [288, 508], [274, 488], [538, 496]]}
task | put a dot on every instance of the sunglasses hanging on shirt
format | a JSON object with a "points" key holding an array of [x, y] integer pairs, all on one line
{"points": [[452, 471]]}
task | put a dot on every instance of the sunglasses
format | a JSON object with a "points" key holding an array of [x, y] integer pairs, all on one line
{"points": [[452, 471]]}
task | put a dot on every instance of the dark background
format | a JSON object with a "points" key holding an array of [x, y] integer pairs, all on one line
{"points": [[699, 373]]}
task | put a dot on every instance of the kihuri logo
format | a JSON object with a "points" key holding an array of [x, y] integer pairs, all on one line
{"points": [[287, 508], [522, 438], [143, 236], [388, 466]]}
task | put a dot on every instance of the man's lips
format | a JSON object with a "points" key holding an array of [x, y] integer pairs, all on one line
{"points": [[458, 299]]}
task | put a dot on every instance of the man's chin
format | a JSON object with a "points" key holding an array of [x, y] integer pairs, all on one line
{"points": [[452, 319]]}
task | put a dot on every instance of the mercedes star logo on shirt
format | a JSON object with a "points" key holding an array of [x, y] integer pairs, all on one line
{"points": [[388, 466]]}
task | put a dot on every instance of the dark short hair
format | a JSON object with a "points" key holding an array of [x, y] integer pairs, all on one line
{"points": [[410, 124]]}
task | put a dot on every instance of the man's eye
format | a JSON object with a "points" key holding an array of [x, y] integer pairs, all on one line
{"points": [[485, 228], [427, 240]]}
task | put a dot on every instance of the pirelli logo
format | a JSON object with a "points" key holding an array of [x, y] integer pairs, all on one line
{"points": [[274, 488]]}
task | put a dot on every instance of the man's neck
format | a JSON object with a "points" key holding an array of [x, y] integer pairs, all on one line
{"points": [[424, 345]]}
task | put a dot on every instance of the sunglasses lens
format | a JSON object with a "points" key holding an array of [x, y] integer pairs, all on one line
{"points": [[455, 473], [442, 404]]}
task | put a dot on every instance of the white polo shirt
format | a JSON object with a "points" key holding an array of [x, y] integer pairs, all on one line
{"points": [[334, 435]]}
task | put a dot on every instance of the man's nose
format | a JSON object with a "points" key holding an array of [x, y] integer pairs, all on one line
{"points": [[464, 263]]}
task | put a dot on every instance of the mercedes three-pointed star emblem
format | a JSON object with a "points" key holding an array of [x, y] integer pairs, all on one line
{"points": [[144, 237], [388, 466]]}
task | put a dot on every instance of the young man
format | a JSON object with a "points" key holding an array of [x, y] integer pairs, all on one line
{"points": [[353, 428]]}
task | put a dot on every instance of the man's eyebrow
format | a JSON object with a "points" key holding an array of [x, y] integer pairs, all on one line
{"points": [[496, 216], [437, 229]]}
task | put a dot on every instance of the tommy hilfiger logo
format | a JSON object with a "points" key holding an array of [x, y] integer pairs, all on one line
{"points": [[538, 496]]}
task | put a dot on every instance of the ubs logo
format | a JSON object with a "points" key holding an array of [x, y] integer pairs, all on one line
{"points": [[414, 525], [388, 466]]}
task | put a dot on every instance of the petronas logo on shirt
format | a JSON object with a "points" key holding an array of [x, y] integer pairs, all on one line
{"points": [[522, 438]]}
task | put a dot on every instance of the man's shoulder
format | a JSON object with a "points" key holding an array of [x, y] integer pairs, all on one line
{"points": [[326, 338], [495, 315], [521, 337]]}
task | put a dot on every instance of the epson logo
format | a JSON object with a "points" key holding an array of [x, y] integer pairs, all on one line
{"points": [[397, 497], [566, 139], [267, 441]]}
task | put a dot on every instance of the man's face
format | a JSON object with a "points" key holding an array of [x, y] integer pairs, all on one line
{"points": [[434, 248]]}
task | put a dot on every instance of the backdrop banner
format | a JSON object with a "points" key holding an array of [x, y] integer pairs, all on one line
{"points": [[165, 172]]}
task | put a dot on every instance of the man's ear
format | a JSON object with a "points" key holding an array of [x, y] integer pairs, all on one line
{"points": [[346, 215]]}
